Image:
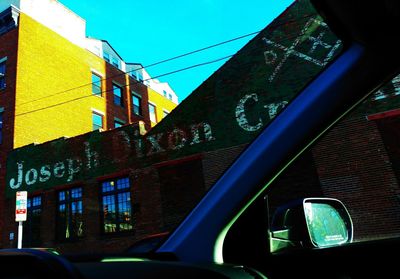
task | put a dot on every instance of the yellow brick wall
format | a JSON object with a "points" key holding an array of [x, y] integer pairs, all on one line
{"points": [[161, 103], [47, 65]]}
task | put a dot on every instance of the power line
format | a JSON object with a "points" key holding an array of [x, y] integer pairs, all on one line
{"points": [[129, 84], [145, 67], [169, 59]]}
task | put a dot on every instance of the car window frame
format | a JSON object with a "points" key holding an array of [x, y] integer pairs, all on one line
{"points": [[334, 93]]}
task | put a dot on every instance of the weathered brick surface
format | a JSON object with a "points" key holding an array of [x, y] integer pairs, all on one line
{"points": [[356, 162], [216, 162], [8, 48], [353, 165]]}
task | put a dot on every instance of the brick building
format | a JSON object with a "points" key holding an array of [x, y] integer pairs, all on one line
{"points": [[56, 82], [101, 191]]}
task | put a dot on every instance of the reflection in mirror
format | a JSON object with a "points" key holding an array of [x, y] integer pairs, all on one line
{"points": [[325, 224], [310, 223]]}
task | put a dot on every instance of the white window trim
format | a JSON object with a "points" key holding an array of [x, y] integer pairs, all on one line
{"points": [[3, 59], [98, 111], [151, 103], [166, 111], [155, 112], [94, 71], [102, 118]]}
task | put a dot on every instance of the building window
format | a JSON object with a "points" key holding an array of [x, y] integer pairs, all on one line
{"points": [[106, 57], [116, 203], [139, 77], [97, 120], [96, 85], [165, 113], [69, 214], [115, 62], [165, 93], [32, 225], [152, 113], [170, 97], [136, 104], [1, 125], [118, 123], [2, 73], [117, 90]]}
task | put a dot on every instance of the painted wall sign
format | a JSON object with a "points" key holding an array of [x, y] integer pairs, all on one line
{"points": [[65, 161], [230, 108]]}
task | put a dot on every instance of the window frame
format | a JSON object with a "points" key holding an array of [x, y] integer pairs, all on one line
{"points": [[106, 57], [119, 121], [3, 76], [114, 193], [102, 120], [115, 62], [68, 201], [28, 226], [94, 85], [155, 112], [140, 77], [121, 98], [140, 107]]}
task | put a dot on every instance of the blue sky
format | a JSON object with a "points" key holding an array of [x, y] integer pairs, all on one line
{"points": [[150, 31]]}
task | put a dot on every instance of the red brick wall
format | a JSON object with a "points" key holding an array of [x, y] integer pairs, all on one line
{"points": [[8, 47], [216, 162], [146, 208], [181, 187], [353, 166]]}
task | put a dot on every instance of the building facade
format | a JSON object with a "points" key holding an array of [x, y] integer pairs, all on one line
{"points": [[102, 191], [55, 82]]}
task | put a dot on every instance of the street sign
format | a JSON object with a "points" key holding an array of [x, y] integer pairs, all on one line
{"points": [[21, 206]]}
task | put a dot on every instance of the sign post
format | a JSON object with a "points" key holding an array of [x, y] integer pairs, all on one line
{"points": [[21, 213]]}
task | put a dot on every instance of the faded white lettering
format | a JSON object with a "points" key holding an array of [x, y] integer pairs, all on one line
{"points": [[176, 139], [155, 145], [16, 183], [45, 173], [74, 166], [59, 169], [31, 177], [241, 114]]}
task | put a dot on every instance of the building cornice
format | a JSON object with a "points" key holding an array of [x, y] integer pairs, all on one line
{"points": [[9, 19]]}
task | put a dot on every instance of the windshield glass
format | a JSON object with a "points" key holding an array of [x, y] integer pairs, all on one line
{"points": [[120, 117]]}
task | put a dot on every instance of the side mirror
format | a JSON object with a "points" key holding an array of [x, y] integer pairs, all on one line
{"points": [[310, 223]]}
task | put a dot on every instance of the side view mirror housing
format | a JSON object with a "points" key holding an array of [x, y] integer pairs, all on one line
{"points": [[310, 223]]}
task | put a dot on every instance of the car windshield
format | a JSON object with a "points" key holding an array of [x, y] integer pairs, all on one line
{"points": [[118, 117]]}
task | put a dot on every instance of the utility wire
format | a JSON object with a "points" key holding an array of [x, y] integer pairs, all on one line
{"points": [[170, 59], [129, 84], [146, 67]]}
